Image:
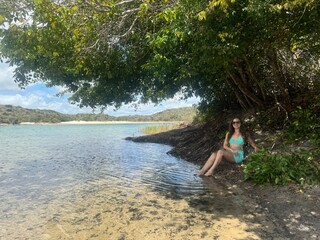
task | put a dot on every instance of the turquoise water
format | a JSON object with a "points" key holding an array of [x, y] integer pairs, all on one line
{"points": [[48, 171]]}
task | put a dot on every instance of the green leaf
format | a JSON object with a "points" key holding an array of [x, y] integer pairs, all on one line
{"points": [[74, 9], [202, 15]]}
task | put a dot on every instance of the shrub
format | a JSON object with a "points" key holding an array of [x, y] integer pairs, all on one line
{"points": [[303, 125], [279, 169]]}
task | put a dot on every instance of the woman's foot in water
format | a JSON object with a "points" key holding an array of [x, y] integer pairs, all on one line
{"points": [[208, 174], [199, 174]]}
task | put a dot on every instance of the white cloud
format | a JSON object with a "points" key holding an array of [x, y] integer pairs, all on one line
{"points": [[29, 101], [47, 101], [37, 96], [41, 101], [6, 78]]}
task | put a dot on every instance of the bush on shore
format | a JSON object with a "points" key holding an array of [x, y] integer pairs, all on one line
{"points": [[282, 168], [297, 157]]}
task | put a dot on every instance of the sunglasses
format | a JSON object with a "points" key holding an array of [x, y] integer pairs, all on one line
{"points": [[236, 122]]}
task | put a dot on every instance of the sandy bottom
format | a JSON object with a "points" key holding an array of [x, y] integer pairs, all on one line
{"points": [[130, 214]]}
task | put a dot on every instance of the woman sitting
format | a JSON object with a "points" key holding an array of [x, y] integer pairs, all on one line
{"points": [[233, 148]]}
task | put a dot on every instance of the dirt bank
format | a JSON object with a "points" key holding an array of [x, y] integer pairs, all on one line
{"points": [[294, 211]]}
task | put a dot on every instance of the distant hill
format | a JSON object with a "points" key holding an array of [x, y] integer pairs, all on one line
{"points": [[14, 115]]}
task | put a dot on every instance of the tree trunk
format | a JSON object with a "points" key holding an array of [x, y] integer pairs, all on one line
{"points": [[244, 89], [278, 77], [244, 102], [254, 79]]}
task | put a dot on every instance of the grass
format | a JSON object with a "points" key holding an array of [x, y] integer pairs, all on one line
{"points": [[158, 128]]}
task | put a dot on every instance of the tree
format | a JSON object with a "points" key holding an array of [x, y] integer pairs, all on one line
{"points": [[231, 53]]}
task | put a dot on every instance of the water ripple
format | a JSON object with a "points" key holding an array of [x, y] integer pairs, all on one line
{"points": [[52, 167]]}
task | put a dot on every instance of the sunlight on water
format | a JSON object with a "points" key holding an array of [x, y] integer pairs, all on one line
{"points": [[86, 182]]}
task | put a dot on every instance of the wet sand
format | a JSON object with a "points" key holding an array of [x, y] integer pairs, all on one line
{"points": [[142, 214]]}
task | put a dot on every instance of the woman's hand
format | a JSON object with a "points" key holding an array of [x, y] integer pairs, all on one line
{"points": [[235, 152], [253, 145]]}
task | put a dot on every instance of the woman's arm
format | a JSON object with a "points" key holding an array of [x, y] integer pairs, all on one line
{"points": [[226, 144], [252, 143]]}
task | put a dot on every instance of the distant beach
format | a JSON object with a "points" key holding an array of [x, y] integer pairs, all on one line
{"points": [[97, 122]]}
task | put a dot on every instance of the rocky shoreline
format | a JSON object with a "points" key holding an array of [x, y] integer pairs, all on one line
{"points": [[294, 211]]}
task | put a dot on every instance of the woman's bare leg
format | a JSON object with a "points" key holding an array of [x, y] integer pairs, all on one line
{"points": [[220, 154], [208, 164]]}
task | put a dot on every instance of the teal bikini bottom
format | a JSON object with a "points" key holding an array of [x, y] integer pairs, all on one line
{"points": [[238, 158]]}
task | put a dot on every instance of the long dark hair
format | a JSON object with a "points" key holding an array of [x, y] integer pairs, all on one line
{"points": [[242, 129]]}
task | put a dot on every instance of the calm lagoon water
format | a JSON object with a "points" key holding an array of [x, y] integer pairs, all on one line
{"points": [[86, 181], [82, 182]]}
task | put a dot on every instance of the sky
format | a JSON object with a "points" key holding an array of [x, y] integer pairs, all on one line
{"points": [[38, 96]]}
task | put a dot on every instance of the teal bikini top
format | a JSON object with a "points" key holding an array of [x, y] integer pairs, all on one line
{"points": [[238, 141]]}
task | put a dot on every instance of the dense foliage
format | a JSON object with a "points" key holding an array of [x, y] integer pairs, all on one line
{"points": [[275, 168], [230, 53], [14, 115], [296, 156]]}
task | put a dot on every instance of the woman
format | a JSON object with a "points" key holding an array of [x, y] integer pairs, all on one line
{"points": [[233, 148]]}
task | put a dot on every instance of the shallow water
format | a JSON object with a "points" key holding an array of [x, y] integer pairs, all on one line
{"points": [[87, 182]]}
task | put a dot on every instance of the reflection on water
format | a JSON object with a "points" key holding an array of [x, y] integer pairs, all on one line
{"points": [[86, 182]]}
